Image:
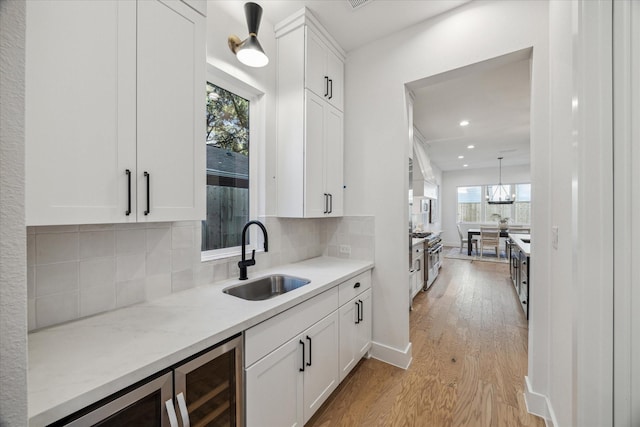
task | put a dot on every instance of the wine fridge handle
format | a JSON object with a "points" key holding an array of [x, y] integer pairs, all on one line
{"points": [[182, 407], [171, 412]]}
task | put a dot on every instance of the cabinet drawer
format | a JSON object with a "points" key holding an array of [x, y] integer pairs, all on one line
{"points": [[354, 286], [270, 334]]}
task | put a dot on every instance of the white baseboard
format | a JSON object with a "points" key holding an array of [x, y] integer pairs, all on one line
{"points": [[393, 356], [538, 404]]}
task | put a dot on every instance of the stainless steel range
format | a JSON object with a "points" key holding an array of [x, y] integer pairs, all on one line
{"points": [[433, 249]]}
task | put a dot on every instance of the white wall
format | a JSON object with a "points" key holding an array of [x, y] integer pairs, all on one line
{"points": [[376, 129], [13, 277], [486, 176]]}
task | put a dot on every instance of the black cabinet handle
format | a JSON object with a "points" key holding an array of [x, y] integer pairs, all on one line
{"points": [[361, 311], [148, 176], [326, 85], [326, 203], [357, 285], [331, 88], [128, 212], [330, 203], [309, 363], [302, 369], [357, 312]]}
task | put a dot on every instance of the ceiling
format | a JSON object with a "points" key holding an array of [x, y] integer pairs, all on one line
{"points": [[351, 27], [494, 96]]}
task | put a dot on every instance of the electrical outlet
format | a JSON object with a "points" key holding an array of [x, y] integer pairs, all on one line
{"points": [[345, 249]]}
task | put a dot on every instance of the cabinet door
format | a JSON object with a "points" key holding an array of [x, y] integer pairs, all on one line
{"points": [[170, 90], [315, 201], [333, 160], [335, 71], [316, 78], [348, 330], [321, 374], [274, 388], [363, 331], [80, 99]]}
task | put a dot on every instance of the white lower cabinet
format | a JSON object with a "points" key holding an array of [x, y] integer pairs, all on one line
{"points": [[355, 331], [295, 360], [286, 387]]}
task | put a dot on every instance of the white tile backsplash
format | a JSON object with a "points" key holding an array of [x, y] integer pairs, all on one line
{"points": [[78, 271], [130, 267], [131, 241], [95, 244], [54, 309], [56, 278], [158, 262], [130, 292], [56, 247]]}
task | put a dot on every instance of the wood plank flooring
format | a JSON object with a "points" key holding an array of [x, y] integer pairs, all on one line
{"points": [[469, 338]]}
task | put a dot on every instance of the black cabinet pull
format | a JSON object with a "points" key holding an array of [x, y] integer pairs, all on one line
{"points": [[357, 312], [326, 85], [326, 203], [148, 176], [361, 311], [128, 212], [309, 363], [357, 285], [331, 88], [302, 369], [330, 203]]}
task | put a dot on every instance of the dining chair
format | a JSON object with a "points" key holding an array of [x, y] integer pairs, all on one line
{"points": [[490, 237], [464, 241]]}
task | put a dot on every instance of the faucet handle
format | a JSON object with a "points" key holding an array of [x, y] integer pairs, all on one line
{"points": [[253, 254]]}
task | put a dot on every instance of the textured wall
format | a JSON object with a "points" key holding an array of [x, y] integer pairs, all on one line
{"points": [[13, 298]]}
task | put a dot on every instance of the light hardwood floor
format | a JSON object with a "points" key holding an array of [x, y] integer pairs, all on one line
{"points": [[469, 338]]}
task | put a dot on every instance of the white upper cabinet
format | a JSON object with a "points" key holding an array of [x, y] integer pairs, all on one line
{"points": [[113, 90], [310, 165], [325, 70]]}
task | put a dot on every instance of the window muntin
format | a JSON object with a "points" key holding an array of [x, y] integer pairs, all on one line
{"points": [[228, 177]]}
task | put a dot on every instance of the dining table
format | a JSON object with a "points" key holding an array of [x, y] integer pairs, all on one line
{"points": [[476, 232]]}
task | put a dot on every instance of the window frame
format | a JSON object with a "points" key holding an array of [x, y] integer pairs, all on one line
{"points": [[256, 141], [483, 204]]}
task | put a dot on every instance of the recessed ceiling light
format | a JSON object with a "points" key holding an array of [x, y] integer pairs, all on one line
{"points": [[465, 165], [464, 123], [461, 157], [470, 147]]}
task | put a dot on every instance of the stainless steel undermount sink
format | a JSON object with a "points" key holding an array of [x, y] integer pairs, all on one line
{"points": [[266, 287]]}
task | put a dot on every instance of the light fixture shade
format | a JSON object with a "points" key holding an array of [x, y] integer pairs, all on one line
{"points": [[251, 53]]}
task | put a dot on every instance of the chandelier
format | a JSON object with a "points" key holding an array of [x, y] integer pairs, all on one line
{"points": [[500, 194]]}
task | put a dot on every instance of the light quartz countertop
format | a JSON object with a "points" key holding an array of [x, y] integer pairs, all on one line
{"points": [[417, 241], [76, 364], [524, 247]]}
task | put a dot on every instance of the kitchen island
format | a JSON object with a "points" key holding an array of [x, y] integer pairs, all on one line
{"points": [[519, 258], [76, 364]]}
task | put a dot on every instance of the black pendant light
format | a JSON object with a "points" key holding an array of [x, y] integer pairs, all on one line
{"points": [[500, 195], [249, 51]]}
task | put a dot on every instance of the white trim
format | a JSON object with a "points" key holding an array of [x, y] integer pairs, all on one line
{"points": [[626, 27], [393, 356], [257, 115], [592, 171], [538, 404]]}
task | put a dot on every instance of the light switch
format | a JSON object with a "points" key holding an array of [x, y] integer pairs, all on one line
{"points": [[554, 236]]}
